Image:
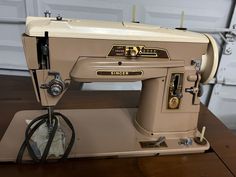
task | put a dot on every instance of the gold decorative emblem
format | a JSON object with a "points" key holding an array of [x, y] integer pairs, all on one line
{"points": [[173, 102]]}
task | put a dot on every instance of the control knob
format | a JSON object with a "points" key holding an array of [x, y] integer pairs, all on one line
{"points": [[56, 86]]}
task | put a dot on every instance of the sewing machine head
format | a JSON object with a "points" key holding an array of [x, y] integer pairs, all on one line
{"points": [[170, 63]]}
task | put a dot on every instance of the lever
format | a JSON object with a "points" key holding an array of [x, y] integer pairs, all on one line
{"points": [[195, 90], [192, 90]]}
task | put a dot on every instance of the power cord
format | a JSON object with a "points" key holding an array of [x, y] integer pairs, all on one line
{"points": [[52, 121]]}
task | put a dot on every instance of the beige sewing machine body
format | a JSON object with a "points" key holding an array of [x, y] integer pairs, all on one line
{"points": [[170, 63]]}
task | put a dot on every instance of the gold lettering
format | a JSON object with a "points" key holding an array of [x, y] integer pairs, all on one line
{"points": [[120, 73]]}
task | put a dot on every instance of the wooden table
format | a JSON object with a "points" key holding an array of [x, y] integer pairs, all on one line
{"points": [[17, 94]]}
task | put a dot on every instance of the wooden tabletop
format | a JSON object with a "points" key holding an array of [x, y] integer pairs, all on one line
{"points": [[16, 93]]}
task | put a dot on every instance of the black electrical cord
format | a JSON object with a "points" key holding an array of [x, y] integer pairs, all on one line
{"points": [[33, 126]]}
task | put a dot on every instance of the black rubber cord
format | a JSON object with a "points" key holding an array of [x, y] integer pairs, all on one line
{"points": [[33, 126]]}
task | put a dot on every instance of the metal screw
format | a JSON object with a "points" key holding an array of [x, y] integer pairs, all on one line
{"points": [[228, 51], [185, 141]]}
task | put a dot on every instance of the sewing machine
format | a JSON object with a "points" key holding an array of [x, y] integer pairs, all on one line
{"points": [[170, 63]]}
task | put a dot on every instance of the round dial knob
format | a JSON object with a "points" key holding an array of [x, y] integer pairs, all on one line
{"points": [[55, 87], [133, 53]]}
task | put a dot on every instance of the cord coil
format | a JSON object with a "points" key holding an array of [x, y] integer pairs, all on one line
{"points": [[52, 121]]}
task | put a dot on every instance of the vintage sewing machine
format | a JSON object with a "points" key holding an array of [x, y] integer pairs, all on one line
{"points": [[170, 63]]}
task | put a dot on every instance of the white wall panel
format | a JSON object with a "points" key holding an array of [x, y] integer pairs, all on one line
{"points": [[94, 9], [227, 70], [223, 104], [11, 57], [112, 86], [206, 94], [12, 9], [201, 13], [223, 98], [12, 13]]}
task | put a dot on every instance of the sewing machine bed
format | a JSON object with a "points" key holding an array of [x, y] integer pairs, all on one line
{"points": [[99, 132]]}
